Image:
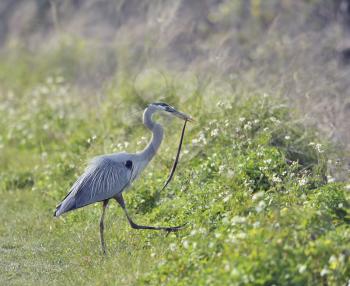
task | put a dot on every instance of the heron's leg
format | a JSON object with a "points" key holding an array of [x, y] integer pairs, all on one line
{"points": [[104, 206], [119, 198]]}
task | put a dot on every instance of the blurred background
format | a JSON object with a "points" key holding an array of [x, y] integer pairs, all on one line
{"points": [[296, 49], [268, 82]]}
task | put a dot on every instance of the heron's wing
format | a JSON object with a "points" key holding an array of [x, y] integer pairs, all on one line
{"points": [[103, 179]]}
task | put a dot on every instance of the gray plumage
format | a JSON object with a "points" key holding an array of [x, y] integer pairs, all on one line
{"points": [[107, 176]]}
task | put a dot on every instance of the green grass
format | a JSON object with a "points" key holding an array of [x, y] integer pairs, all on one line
{"points": [[251, 185]]}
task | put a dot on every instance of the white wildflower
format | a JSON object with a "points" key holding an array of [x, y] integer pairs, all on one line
{"points": [[258, 196], [256, 224], [302, 268], [333, 259], [248, 126], [44, 89], [330, 179], [238, 220], [235, 273], [220, 104], [217, 235], [225, 220], [226, 199], [318, 148], [193, 232], [276, 179], [231, 238], [260, 207], [303, 181], [241, 235], [49, 80], [185, 244], [324, 272], [172, 246], [214, 132], [201, 139], [142, 141], [194, 141], [228, 105], [274, 120], [221, 169], [230, 173]]}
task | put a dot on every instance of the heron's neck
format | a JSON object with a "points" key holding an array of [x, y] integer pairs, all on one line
{"points": [[157, 135]]}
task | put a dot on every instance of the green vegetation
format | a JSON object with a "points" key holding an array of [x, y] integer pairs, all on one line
{"points": [[251, 184]]}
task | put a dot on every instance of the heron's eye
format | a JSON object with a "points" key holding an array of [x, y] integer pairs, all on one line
{"points": [[128, 164]]}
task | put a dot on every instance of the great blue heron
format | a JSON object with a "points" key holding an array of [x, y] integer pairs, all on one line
{"points": [[107, 176]]}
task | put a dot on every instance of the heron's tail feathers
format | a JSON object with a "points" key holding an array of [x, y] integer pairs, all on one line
{"points": [[68, 204]]}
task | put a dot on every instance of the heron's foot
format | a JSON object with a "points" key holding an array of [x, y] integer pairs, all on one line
{"points": [[175, 228]]}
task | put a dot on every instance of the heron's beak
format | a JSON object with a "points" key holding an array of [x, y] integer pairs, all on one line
{"points": [[182, 115]]}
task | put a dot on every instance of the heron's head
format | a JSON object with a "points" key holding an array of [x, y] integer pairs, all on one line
{"points": [[171, 110]]}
